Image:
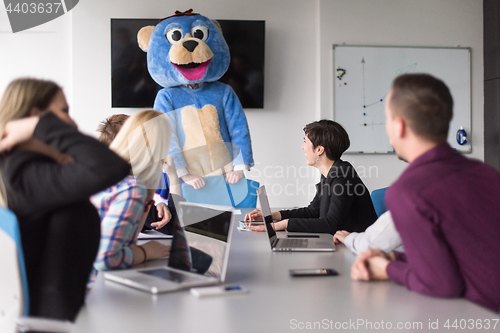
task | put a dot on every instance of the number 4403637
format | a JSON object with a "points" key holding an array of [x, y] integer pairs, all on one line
{"points": [[475, 324], [33, 7]]}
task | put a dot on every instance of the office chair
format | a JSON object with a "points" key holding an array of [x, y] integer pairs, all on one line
{"points": [[378, 199], [14, 297]]}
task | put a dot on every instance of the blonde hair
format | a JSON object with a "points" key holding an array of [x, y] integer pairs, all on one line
{"points": [[18, 99], [143, 141]]}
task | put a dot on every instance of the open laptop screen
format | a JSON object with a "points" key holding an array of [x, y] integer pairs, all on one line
{"points": [[180, 254], [266, 211], [216, 227], [207, 231]]}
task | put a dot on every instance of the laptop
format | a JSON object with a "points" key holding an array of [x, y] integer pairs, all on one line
{"points": [[201, 262], [315, 243]]}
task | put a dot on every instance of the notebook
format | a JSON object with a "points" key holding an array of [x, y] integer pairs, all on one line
{"points": [[315, 243], [198, 256]]}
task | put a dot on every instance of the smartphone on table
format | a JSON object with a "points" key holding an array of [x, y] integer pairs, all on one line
{"points": [[313, 272]]}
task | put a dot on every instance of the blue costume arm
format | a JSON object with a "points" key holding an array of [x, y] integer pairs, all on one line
{"points": [[238, 129], [163, 104]]}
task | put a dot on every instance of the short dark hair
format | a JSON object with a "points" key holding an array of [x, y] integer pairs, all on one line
{"points": [[426, 104], [110, 127], [329, 134]]}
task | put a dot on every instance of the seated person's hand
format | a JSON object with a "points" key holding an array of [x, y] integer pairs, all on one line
{"points": [[359, 269], [371, 265], [164, 214], [340, 236], [232, 177], [378, 268], [259, 228], [155, 250], [195, 181], [277, 226], [254, 215]]}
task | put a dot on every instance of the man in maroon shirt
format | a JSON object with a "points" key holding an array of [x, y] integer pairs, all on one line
{"points": [[444, 205]]}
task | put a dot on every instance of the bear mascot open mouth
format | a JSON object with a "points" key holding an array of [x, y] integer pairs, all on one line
{"points": [[193, 71]]}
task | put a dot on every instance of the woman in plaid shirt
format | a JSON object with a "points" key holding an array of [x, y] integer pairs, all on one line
{"points": [[143, 142]]}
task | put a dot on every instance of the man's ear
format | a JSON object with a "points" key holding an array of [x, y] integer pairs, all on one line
{"points": [[400, 128], [143, 37]]}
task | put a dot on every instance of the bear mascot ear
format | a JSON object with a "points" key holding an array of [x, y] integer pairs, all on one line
{"points": [[143, 37], [218, 25]]}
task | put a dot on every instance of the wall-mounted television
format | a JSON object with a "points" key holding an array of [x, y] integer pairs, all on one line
{"points": [[133, 87]]}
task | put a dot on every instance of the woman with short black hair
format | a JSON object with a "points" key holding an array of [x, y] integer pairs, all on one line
{"points": [[342, 201]]}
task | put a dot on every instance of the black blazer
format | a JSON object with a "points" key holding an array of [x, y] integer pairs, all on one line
{"points": [[342, 202]]}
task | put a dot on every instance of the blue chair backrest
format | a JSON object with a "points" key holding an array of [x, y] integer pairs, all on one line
{"points": [[378, 199], [9, 225]]}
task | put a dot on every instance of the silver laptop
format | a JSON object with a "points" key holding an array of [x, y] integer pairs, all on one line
{"points": [[198, 256], [314, 243]]}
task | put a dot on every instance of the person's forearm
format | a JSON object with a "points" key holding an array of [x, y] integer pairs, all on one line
{"points": [[173, 178], [175, 189], [140, 255], [119, 258]]}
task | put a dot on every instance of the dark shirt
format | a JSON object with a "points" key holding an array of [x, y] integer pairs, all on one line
{"points": [[342, 202], [446, 209]]}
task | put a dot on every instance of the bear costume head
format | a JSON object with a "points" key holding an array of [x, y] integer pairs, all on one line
{"points": [[185, 48]]}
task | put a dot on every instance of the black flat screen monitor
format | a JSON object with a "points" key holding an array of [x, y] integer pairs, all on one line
{"points": [[133, 87]]}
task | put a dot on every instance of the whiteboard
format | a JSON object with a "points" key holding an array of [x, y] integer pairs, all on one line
{"points": [[363, 77]]}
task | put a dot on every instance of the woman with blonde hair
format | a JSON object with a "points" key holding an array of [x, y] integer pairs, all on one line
{"points": [[143, 142], [48, 172]]}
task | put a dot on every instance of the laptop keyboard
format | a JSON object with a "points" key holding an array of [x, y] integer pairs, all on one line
{"points": [[292, 243], [171, 276]]}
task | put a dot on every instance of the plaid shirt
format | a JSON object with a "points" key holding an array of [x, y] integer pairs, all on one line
{"points": [[120, 208]]}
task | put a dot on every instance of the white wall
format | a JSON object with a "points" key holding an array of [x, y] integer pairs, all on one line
{"points": [[41, 52], [402, 23], [74, 50], [290, 78]]}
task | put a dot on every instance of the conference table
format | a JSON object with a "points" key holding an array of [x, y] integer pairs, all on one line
{"points": [[277, 302]]}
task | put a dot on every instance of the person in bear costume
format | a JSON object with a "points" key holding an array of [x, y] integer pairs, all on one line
{"points": [[187, 54]]}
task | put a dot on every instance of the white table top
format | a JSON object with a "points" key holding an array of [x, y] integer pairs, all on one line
{"points": [[277, 302]]}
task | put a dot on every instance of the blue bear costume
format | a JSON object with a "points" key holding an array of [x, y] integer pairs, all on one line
{"points": [[186, 55]]}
